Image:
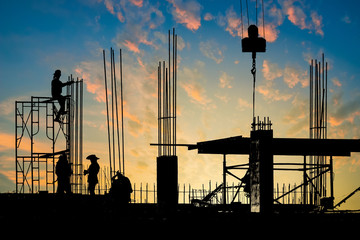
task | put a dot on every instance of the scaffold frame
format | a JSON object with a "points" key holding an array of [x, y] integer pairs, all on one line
{"points": [[40, 140]]}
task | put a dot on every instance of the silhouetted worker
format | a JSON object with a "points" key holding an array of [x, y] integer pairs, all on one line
{"points": [[63, 172], [56, 90], [121, 188], [93, 170]]}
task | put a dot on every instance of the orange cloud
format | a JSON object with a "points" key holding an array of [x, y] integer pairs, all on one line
{"points": [[120, 16], [187, 13], [138, 3], [208, 17], [336, 121], [109, 6], [225, 80], [212, 50], [271, 94], [196, 93], [336, 82], [271, 70], [131, 46], [7, 141], [271, 33], [93, 75], [242, 103], [297, 16], [234, 26], [293, 76], [317, 21]]}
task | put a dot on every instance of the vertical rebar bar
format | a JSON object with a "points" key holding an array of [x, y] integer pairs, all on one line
{"points": [[107, 113], [112, 109], [81, 135], [116, 111], [122, 115]]}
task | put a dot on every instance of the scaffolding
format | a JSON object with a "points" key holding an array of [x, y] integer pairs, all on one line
{"points": [[40, 140]]}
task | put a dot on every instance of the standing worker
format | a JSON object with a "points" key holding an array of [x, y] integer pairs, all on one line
{"points": [[63, 172], [56, 90], [93, 170]]}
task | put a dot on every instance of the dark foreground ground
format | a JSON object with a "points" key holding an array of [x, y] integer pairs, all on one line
{"points": [[34, 212]]}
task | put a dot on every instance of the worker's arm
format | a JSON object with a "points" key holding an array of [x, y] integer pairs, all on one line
{"points": [[67, 83]]}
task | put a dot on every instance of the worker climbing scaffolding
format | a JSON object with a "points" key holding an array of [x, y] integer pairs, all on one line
{"points": [[56, 90]]}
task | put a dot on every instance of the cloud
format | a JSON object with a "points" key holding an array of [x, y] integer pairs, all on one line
{"points": [[346, 19], [114, 10], [295, 12], [336, 82], [224, 98], [6, 185], [187, 13], [344, 113], [272, 94], [93, 76], [208, 17], [291, 75], [271, 70], [7, 106], [138, 3], [196, 92], [139, 18], [7, 141], [109, 6], [317, 21], [243, 104], [225, 80], [297, 117], [296, 16], [271, 33], [231, 21], [133, 47], [193, 88], [276, 14], [212, 50]]}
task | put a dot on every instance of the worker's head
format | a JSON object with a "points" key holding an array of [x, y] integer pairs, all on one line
{"points": [[57, 73], [63, 157], [253, 31], [92, 158]]}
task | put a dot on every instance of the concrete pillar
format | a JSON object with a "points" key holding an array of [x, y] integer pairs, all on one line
{"points": [[261, 171], [167, 182]]}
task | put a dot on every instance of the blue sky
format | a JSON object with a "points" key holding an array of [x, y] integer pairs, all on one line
{"points": [[215, 85]]}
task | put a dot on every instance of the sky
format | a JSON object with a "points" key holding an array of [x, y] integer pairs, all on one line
{"points": [[214, 79]]}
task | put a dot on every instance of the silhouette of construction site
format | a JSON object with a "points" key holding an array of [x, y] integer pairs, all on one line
{"points": [[252, 192]]}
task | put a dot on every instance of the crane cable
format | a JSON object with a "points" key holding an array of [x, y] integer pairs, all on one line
{"points": [[247, 15]]}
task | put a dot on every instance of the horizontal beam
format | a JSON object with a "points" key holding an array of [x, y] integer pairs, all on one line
{"points": [[239, 145], [189, 146]]}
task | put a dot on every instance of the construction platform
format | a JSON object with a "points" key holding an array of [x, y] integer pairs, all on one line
{"points": [[44, 209]]}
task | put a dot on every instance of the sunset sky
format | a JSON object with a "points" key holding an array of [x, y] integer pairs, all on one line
{"points": [[214, 79]]}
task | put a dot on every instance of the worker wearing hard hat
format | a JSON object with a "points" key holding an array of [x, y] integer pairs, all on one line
{"points": [[93, 170]]}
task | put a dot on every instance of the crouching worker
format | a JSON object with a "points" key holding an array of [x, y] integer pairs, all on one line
{"points": [[121, 188], [93, 170]]}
